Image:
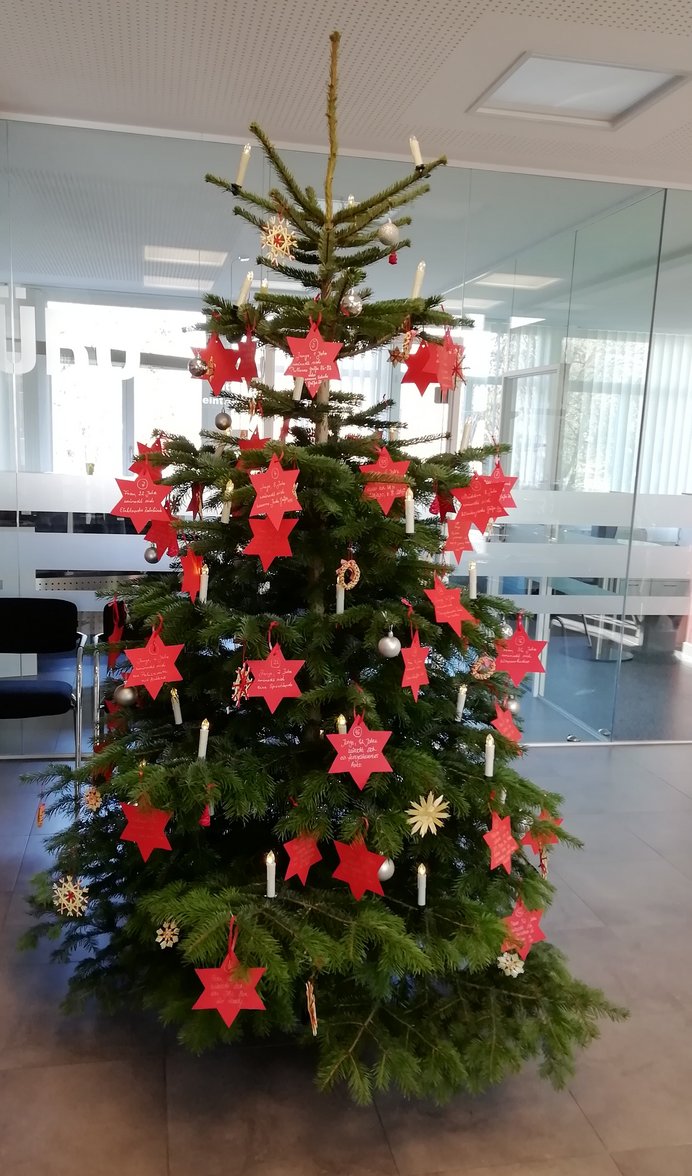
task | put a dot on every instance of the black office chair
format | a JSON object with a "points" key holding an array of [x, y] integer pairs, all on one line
{"points": [[42, 626]]}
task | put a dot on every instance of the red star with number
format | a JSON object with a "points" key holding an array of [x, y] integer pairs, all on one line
{"points": [[358, 866], [163, 535], [314, 359], [539, 840], [458, 539], [502, 844], [274, 678], [448, 607], [359, 752], [415, 675], [230, 988], [480, 501], [303, 854], [518, 655], [524, 927], [142, 463], [192, 573], [390, 476], [247, 365], [504, 723], [269, 541], [153, 664], [141, 500], [222, 363], [276, 491], [421, 367], [146, 827], [499, 475]]}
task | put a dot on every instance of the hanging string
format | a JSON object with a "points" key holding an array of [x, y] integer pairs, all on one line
{"points": [[409, 609]]}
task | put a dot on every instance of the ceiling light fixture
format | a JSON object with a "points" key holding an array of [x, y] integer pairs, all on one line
{"points": [[169, 255], [516, 281], [585, 93], [161, 283]]}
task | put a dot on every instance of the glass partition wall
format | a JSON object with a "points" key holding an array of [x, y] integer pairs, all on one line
{"points": [[579, 359]]}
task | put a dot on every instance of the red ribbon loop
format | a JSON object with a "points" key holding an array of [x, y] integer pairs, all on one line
{"points": [[272, 625], [156, 628], [232, 935]]}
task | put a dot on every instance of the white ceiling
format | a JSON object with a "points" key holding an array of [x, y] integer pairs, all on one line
{"points": [[209, 67]]}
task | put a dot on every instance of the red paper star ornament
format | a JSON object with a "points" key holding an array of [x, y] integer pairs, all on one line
{"points": [[276, 491], [524, 928], [499, 475], [274, 678], [246, 444], [247, 364], [358, 866], [314, 359], [141, 500], [502, 844], [389, 483], [504, 723], [442, 504], [448, 363], [146, 827], [303, 854], [421, 367], [192, 573], [222, 363], [230, 988], [518, 655], [448, 607], [538, 839], [415, 675], [480, 501], [269, 541], [162, 535], [359, 752], [154, 664], [141, 462], [458, 539]]}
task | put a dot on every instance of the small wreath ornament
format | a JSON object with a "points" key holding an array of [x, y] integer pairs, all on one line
{"points": [[347, 574]]}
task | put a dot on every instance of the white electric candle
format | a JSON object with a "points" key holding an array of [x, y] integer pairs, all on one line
{"points": [[245, 288], [466, 434], [243, 164], [418, 280], [422, 884], [228, 503], [264, 284], [461, 702], [340, 599], [489, 755], [341, 725], [415, 151], [175, 703], [298, 387], [473, 580], [271, 875], [203, 740], [350, 200], [203, 584], [409, 509]]}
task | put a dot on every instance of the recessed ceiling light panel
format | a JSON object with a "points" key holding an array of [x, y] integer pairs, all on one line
{"points": [[587, 93], [516, 281], [173, 255], [166, 283]]}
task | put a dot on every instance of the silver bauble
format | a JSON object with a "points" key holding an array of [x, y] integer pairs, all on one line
{"points": [[389, 646], [125, 695], [151, 555], [522, 827], [351, 304], [386, 870], [197, 367], [513, 706], [222, 420], [506, 630], [388, 234]]}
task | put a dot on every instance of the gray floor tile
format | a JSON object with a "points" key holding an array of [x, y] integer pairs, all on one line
{"points": [[628, 892], [655, 1161], [634, 1082], [670, 834], [103, 1118], [579, 1166], [522, 1121], [256, 1112]]}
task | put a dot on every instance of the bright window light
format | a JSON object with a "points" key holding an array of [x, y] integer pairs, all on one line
{"points": [[516, 321], [174, 256]]}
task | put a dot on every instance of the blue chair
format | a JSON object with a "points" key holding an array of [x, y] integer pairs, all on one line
{"points": [[42, 627]]}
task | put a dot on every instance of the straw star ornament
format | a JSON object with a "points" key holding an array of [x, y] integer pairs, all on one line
{"points": [[428, 814]]}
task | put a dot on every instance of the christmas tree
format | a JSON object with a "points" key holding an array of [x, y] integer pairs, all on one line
{"points": [[303, 817]]}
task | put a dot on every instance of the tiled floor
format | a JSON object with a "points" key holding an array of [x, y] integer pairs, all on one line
{"points": [[97, 1096]]}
